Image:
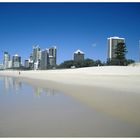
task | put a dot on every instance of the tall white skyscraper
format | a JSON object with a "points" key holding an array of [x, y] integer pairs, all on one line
{"points": [[112, 44], [6, 60], [43, 59], [36, 56], [36, 53]]}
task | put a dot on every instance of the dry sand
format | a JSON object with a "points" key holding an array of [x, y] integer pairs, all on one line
{"points": [[113, 90]]}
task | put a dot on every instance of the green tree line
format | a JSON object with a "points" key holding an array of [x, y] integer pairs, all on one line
{"points": [[119, 59], [78, 64]]}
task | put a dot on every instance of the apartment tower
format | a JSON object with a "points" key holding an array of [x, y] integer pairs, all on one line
{"points": [[16, 61], [44, 59], [52, 56], [112, 44], [6, 60]]}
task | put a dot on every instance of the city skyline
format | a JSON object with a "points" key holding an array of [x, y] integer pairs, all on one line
{"points": [[39, 59], [69, 26]]}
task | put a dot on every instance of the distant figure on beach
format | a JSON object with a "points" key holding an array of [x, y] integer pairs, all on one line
{"points": [[19, 73]]}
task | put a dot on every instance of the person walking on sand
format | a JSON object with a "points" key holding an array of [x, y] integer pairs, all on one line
{"points": [[19, 73]]}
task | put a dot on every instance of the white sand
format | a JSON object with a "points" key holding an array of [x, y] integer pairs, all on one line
{"points": [[117, 77], [114, 90]]}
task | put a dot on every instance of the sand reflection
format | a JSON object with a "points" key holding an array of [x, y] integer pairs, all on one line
{"points": [[11, 84], [15, 85], [43, 91]]}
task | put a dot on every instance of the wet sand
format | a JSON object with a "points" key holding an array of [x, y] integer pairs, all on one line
{"points": [[123, 105], [113, 90]]}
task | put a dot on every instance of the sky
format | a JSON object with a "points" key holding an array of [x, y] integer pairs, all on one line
{"points": [[69, 26]]}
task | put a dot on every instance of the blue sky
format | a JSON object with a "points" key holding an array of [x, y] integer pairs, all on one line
{"points": [[69, 26]]}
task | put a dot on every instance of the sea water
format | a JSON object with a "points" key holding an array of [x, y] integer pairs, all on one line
{"points": [[31, 111]]}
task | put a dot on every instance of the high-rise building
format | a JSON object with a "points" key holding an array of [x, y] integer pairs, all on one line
{"points": [[26, 63], [10, 64], [16, 61], [30, 61], [36, 56], [36, 53], [6, 60], [44, 63], [42, 59], [112, 44], [78, 55], [31, 57], [52, 56]]}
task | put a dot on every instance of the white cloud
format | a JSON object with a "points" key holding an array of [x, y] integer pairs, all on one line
{"points": [[94, 45]]}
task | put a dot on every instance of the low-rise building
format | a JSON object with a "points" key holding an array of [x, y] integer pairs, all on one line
{"points": [[78, 55]]}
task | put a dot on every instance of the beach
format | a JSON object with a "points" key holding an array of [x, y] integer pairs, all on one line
{"points": [[113, 90], [124, 78]]}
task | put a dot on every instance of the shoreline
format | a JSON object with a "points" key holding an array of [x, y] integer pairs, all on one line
{"points": [[114, 95], [123, 78]]}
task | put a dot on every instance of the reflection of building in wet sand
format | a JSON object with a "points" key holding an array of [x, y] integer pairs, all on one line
{"points": [[50, 92], [37, 91], [8, 83], [41, 91], [17, 84], [12, 84]]}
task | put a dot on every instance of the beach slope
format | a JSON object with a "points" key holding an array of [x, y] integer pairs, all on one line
{"points": [[114, 90]]}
